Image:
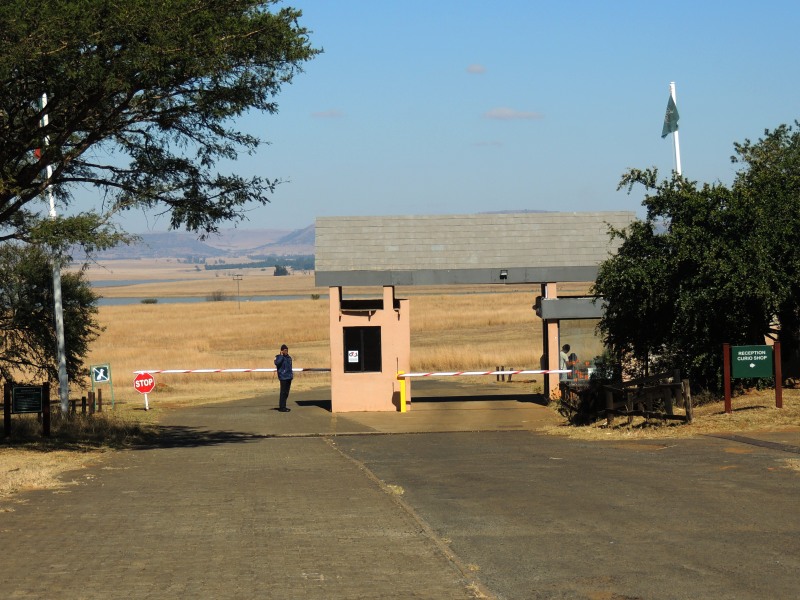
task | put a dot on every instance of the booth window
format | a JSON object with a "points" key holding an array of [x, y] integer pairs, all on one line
{"points": [[362, 349]]}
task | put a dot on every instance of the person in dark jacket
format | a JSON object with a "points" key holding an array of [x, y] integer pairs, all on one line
{"points": [[285, 375]]}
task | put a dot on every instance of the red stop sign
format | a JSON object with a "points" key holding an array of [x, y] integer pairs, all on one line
{"points": [[144, 383]]}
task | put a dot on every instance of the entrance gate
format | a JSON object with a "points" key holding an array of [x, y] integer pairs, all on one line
{"points": [[542, 249]]}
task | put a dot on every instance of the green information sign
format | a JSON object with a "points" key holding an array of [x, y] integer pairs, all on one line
{"points": [[751, 361], [27, 399]]}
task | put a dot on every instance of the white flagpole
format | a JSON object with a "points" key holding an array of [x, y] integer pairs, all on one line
{"points": [[63, 381], [675, 133]]}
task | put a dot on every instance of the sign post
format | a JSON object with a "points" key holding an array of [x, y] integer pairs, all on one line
{"points": [[21, 399], [144, 383], [756, 362], [102, 374]]}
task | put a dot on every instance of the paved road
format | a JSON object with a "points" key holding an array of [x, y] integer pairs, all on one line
{"points": [[547, 518], [240, 501]]}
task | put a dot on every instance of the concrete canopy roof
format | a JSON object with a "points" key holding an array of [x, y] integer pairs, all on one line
{"points": [[464, 249]]}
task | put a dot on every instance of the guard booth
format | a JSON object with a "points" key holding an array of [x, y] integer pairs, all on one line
{"points": [[370, 338], [370, 342]]}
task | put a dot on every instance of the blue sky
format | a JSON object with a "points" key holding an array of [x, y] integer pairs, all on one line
{"points": [[450, 107]]}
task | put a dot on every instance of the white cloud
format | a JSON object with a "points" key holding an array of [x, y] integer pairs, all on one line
{"points": [[506, 114], [476, 69], [333, 113]]}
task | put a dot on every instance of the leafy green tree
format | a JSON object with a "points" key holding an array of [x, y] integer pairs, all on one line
{"points": [[141, 95], [708, 265], [770, 182], [27, 324]]}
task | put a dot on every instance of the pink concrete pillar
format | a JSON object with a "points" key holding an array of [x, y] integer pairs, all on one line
{"points": [[550, 341]]}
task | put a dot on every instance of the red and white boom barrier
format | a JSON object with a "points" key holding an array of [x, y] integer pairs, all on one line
{"points": [[457, 373], [144, 382], [405, 377], [307, 370]]}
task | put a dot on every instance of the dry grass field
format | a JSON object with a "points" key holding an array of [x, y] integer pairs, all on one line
{"points": [[452, 329]]}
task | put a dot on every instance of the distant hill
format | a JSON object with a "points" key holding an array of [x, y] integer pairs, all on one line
{"points": [[299, 241], [229, 243]]}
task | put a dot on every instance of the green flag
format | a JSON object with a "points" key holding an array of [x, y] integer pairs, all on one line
{"points": [[671, 118]]}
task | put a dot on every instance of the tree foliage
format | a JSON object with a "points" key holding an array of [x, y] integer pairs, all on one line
{"points": [[141, 95], [27, 324], [709, 264]]}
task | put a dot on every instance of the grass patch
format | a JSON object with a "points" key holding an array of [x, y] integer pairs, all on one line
{"points": [[29, 461], [109, 430], [753, 410]]}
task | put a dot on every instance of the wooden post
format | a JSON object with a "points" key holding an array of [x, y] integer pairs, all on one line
{"points": [[726, 375], [46, 410], [99, 400], [83, 405], [609, 407], [674, 395], [778, 376], [687, 399], [629, 405], [7, 409], [91, 403]]}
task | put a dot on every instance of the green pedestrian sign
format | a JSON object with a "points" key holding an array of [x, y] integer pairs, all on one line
{"points": [[101, 374], [751, 362]]}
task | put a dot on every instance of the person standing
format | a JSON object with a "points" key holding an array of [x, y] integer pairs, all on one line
{"points": [[285, 375], [563, 359]]}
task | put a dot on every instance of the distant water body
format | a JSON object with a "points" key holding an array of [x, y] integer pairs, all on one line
{"points": [[195, 299], [179, 299], [127, 282]]}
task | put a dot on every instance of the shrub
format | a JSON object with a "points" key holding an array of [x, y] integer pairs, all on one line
{"points": [[217, 296]]}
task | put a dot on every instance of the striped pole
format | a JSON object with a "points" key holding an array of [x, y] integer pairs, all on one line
{"points": [[473, 373], [306, 370]]}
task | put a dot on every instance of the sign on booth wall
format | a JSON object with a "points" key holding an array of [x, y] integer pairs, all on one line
{"points": [[352, 356], [751, 361]]}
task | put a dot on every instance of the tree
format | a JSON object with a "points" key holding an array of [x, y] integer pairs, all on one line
{"points": [[708, 265], [151, 83], [770, 180], [27, 327]]}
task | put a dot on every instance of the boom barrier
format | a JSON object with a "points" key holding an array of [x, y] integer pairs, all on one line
{"points": [[305, 370], [404, 377]]}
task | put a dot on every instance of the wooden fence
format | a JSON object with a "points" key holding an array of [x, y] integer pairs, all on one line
{"points": [[653, 397]]}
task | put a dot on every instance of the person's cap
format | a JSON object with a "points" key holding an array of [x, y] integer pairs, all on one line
{"points": [[284, 347]]}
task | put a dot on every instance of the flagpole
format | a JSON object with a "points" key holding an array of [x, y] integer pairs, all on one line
{"points": [[676, 141], [63, 381]]}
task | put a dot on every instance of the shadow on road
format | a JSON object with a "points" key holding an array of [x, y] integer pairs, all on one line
{"points": [[523, 398], [180, 436]]}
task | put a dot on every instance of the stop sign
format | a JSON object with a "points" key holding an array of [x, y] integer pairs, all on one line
{"points": [[144, 383]]}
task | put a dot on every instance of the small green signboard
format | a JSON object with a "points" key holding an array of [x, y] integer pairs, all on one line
{"points": [[101, 373], [751, 361], [27, 399]]}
